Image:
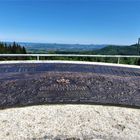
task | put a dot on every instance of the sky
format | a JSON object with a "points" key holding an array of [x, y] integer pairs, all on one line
{"points": [[70, 21]]}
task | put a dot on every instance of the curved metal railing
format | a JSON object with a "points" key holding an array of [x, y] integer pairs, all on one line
{"points": [[70, 55]]}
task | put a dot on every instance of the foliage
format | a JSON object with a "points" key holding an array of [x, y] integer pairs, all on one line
{"points": [[109, 50], [12, 49]]}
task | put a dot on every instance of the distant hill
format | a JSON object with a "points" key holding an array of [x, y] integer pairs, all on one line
{"points": [[77, 49], [118, 50], [80, 48], [107, 50], [47, 47]]}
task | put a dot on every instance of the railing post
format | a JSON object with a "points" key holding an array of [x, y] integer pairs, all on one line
{"points": [[118, 60], [38, 57]]}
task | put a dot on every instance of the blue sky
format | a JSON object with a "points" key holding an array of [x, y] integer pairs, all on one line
{"points": [[70, 21]]}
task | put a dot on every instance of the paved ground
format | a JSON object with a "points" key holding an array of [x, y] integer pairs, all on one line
{"points": [[70, 122], [30, 84]]}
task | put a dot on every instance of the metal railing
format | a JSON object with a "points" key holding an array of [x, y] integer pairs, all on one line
{"points": [[70, 55]]}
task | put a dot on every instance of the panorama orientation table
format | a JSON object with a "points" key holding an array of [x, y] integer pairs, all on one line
{"points": [[23, 84]]}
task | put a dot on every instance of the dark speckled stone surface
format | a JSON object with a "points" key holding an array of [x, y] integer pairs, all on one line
{"points": [[32, 84]]}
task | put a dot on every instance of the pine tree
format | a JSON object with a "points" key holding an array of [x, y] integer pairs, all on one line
{"points": [[24, 50], [12, 48]]}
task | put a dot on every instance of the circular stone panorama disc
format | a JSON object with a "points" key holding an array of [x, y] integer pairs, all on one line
{"points": [[46, 83]]}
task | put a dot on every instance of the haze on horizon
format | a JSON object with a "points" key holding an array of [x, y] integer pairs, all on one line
{"points": [[70, 21]]}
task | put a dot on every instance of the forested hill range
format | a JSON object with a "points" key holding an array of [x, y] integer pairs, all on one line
{"points": [[12, 48], [82, 49], [108, 50], [119, 50], [69, 48], [48, 47]]}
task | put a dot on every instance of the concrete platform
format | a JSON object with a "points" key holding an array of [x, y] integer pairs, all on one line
{"points": [[70, 122]]}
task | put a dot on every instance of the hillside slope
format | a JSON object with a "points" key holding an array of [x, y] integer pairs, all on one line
{"points": [[118, 50]]}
